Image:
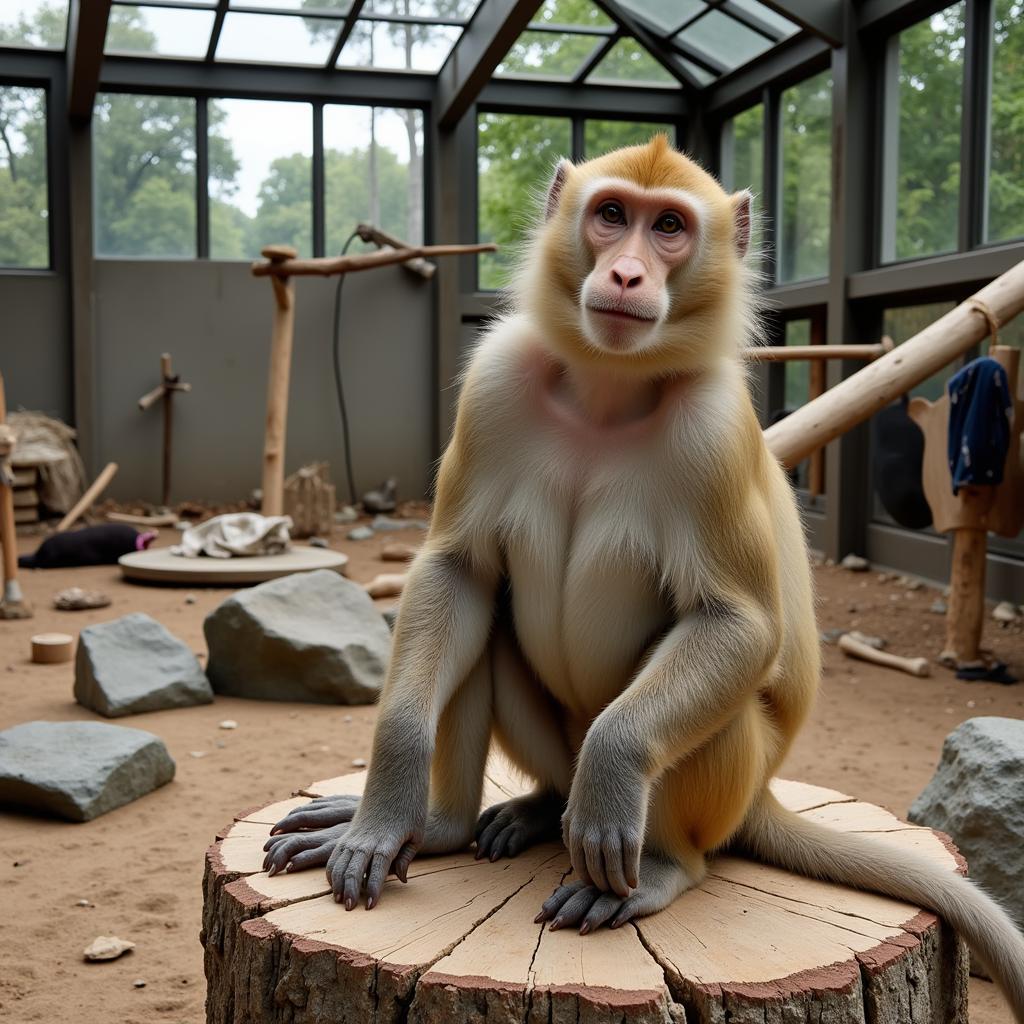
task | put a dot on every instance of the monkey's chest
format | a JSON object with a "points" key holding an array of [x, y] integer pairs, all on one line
{"points": [[585, 597]]}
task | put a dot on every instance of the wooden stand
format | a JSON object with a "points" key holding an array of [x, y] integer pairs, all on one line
{"points": [[970, 515], [458, 943], [169, 383], [12, 600]]}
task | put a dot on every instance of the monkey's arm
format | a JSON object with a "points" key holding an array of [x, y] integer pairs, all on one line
{"points": [[697, 676]]}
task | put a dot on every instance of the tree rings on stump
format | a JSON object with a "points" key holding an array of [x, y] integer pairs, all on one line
{"points": [[458, 943]]}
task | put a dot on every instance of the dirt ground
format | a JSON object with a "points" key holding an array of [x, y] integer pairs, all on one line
{"points": [[875, 733]]}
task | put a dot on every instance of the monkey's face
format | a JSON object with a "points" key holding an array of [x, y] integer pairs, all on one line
{"points": [[637, 237]]}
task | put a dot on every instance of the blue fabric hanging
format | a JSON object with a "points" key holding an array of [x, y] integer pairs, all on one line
{"points": [[980, 408]]}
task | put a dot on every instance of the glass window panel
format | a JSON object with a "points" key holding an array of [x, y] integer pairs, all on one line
{"points": [[373, 172], [548, 53], [666, 15], [24, 210], [517, 154], [768, 16], [1006, 128], [604, 136], [805, 143], [572, 12], [422, 8], [703, 76], [261, 191], [276, 39], [923, 175], [144, 175], [743, 151], [42, 23], [162, 32], [396, 46], [724, 39], [796, 375], [628, 61]]}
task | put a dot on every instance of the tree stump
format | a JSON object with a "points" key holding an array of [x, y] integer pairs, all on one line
{"points": [[458, 943]]}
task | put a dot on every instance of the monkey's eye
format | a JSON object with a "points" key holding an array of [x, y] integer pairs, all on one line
{"points": [[669, 224], [612, 213]]}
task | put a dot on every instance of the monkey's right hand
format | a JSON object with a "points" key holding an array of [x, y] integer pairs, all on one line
{"points": [[365, 854]]}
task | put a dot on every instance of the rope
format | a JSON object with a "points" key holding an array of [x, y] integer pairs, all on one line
{"points": [[990, 318]]}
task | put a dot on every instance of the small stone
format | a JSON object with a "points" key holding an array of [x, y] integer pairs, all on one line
{"points": [[914, 585], [884, 577], [855, 563], [346, 514], [938, 607], [219, 744], [139, 983], [1005, 612], [190, 599], [386, 584], [324, 749], [83, 903], [107, 947], [877, 642], [317, 542], [830, 562], [382, 499], [830, 636], [360, 533], [394, 551], [198, 753], [75, 599], [359, 762], [385, 524], [347, 718], [972, 703], [228, 723]]}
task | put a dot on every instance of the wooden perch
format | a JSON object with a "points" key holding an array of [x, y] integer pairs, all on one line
{"points": [[169, 383], [786, 353], [856, 649], [861, 395], [95, 490], [327, 266]]}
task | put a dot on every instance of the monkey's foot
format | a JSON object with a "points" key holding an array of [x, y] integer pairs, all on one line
{"points": [[323, 812], [508, 828], [661, 881], [297, 850]]}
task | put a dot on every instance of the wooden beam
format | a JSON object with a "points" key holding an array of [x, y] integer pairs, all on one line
{"points": [[823, 18], [488, 37], [87, 30]]}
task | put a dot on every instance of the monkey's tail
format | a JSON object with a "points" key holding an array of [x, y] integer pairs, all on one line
{"points": [[778, 836]]}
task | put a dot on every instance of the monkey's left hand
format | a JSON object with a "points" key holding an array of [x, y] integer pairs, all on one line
{"points": [[603, 825]]}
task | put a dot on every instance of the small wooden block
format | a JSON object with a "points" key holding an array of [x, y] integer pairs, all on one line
{"points": [[52, 648]]}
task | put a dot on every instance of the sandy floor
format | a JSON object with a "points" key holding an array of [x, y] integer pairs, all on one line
{"points": [[875, 734]]}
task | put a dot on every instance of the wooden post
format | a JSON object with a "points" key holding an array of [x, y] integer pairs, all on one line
{"points": [[12, 601], [277, 386], [966, 610], [169, 383]]}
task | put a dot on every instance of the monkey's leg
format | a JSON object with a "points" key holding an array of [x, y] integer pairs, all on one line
{"points": [[528, 725], [307, 836], [662, 878]]}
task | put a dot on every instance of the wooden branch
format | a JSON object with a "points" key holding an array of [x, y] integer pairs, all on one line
{"points": [[856, 649], [866, 392], [330, 265], [785, 353], [97, 488]]}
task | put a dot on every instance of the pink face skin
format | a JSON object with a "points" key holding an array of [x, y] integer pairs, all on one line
{"points": [[637, 237]]}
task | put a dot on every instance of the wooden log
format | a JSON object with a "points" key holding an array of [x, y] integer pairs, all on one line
{"points": [[12, 601], [92, 493], [861, 395], [856, 649], [458, 943]]}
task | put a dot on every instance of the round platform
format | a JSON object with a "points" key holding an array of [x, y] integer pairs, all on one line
{"points": [[158, 565], [458, 943]]}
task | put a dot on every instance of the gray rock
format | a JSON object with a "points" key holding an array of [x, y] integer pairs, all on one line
{"points": [[385, 524], [134, 664], [360, 533], [390, 615], [855, 563], [975, 796], [309, 637], [80, 770], [1005, 612], [938, 607]]}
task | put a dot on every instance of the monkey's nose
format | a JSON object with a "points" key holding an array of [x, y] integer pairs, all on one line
{"points": [[627, 272]]}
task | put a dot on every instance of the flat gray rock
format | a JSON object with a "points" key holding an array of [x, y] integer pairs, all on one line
{"points": [[80, 770], [134, 664], [312, 636], [977, 796]]}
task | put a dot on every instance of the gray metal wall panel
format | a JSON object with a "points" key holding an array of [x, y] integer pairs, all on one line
{"points": [[214, 319], [35, 343]]}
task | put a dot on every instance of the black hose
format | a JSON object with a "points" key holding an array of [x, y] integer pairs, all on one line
{"points": [[336, 345]]}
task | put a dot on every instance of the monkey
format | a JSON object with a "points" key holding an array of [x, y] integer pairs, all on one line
{"points": [[616, 586]]}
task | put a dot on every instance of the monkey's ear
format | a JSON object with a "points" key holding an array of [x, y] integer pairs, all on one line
{"points": [[742, 217], [556, 186]]}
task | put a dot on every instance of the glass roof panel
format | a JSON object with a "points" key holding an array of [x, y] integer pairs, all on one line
{"points": [[394, 46], [724, 40], [448, 10], [161, 32], [277, 38], [314, 6], [42, 23], [782, 25], [702, 76], [551, 54], [571, 12], [628, 63], [666, 15]]}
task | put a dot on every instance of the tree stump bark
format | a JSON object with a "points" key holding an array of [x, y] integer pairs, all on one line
{"points": [[458, 943]]}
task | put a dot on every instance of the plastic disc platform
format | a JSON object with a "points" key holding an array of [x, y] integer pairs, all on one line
{"points": [[158, 565]]}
